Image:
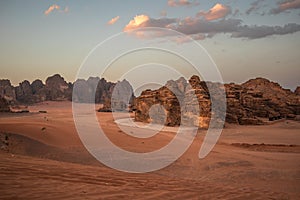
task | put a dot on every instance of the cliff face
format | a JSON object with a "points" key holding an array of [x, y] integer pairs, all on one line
{"points": [[246, 103], [183, 103], [4, 106], [7, 91], [178, 102], [55, 89], [93, 90]]}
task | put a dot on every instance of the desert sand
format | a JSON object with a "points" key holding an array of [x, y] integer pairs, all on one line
{"points": [[45, 159]]}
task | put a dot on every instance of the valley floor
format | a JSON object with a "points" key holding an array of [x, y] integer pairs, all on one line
{"points": [[42, 157]]}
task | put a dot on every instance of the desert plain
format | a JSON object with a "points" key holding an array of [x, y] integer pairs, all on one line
{"points": [[42, 157]]}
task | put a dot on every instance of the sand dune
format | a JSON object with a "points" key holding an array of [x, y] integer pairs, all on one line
{"points": [[45, 159]]}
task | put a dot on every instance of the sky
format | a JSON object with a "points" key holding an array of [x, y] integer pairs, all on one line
{"points": [[245, 39]]}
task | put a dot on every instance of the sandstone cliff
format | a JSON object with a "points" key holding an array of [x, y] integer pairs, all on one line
{"points": [[249, 103]]}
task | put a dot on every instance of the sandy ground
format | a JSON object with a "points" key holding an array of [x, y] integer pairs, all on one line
{"points": [[45, 159]]}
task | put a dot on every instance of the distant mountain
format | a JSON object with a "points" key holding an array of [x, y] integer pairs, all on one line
{"points": [[247, 103], [93, 90]]}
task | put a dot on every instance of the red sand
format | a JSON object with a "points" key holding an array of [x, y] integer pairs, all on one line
{"points": [[46, 160]]}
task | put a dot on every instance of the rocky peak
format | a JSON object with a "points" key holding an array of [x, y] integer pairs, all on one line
{"points": [[7, 91], [195, 81], [4, 106], [57, 82], [122, 96], [297, 91], [24, 92], [246, 104], [36, 86]]}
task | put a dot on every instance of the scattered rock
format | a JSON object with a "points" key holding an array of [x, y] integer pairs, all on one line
{"points": [[42, 111]]}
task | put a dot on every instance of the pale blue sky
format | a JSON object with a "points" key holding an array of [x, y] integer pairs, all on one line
{"points": [[36, 45]]}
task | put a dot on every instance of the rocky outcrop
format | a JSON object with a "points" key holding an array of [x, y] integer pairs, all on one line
{"points": [[181, 103], [24, 92], [249, 103], [277, 101], [37, 86], [113, 96], [7, 91], [122, 96], [93, 90], [297, 91], [104, 91], [57, 88], [4, 105]]}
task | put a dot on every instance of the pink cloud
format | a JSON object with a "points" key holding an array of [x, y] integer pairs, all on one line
{"points": [[174, 3], [199, 28], [113, 20], [51, 9], [286, 5], [137, 22], [219, 11]]}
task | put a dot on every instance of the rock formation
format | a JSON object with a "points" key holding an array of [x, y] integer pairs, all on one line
{"points": [[113, 96], [24, 92], [122, 96], [93, 90], [297, 91], [277, 101], [4, 105], [57, 88], [178, 102], [248, 103], [7, 91], [183, 103]]}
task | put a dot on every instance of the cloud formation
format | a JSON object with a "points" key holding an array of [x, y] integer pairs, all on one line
{"points": [[254, 32], [113, 20], [219, 11], [176, 3], [286, 5], [201, 28], [51, 8], [56, 7], [140, 21], [254, 6]]}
